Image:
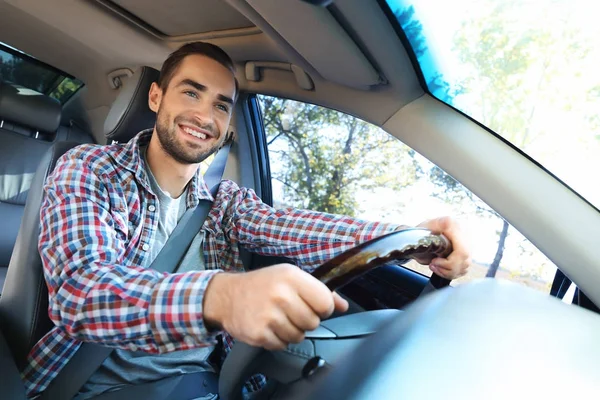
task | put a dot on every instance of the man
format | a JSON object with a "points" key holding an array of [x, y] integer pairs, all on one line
{"points": [[108, 210]]}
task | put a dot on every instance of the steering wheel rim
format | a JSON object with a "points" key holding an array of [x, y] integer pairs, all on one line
{"points": [[400, 246]]}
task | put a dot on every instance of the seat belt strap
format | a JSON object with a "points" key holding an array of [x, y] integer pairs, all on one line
{"points": [[90, 356]]}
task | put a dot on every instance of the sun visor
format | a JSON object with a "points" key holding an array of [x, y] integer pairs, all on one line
{"points": [[317, 36]]}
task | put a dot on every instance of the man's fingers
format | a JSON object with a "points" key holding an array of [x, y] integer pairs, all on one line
{"points": [[444, 273], [451, 267], [453, 262], [341, 305], [301, 315], [316, 295], [286, 331], [273, 342]]}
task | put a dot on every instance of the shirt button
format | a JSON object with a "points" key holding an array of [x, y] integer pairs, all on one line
{"points": [[151, 208], [145, 247]]}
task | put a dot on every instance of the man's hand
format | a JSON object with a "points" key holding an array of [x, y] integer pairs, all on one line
{"points": [[269, 307], [457, 263]]}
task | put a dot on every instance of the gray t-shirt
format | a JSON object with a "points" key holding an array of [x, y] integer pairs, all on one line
{"points": [[125, 367]]}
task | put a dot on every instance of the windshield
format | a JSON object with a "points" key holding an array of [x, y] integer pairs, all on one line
{"points": [[21, 69], [526, 69]]}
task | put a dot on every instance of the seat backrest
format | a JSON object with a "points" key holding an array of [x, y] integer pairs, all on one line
{"points": [[24, 301], [29, 125], [20, 153]]}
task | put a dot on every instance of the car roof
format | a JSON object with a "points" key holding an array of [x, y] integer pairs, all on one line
{"points": [[108, 35]]}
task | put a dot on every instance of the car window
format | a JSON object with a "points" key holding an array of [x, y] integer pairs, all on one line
{"points": [[325, 160], [19, 68], [526, 69]]}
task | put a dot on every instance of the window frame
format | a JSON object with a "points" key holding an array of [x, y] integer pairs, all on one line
{"points": [[256, 123], [35, 61]]}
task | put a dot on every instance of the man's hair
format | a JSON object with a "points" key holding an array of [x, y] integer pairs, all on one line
{"points": [[200, 48]]}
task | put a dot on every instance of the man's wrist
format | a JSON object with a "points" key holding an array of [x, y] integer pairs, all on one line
{"points": [[215, 301]]}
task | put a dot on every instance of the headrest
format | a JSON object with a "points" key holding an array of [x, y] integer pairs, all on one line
{"points": [[130, 113], [27, 107]]}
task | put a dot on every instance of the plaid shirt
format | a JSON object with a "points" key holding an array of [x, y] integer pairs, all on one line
{"points": [[99, 217]]}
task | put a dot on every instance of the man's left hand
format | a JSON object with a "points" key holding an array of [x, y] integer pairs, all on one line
{"points": [[457, 263]]}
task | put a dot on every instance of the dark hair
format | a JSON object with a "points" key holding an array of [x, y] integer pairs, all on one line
{"points": [[200, 48]]}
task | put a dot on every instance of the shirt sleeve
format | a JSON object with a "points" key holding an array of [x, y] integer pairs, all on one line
{"points": [[96, 293], [309, 238]]}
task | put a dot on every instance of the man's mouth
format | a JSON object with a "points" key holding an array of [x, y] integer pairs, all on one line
{"points": [[195, 132]]}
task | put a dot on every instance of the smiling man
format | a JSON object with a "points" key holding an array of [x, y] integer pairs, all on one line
{"points": [[108, 211]]}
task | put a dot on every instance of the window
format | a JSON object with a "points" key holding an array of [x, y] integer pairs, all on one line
{"points": [[526, 69], [324, 160], [21, 69]]}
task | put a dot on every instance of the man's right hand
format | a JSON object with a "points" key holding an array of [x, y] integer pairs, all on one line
{"points": [[270, 307]]}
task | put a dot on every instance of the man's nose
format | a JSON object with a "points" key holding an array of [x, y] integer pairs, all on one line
{"points": [[203, 112]]}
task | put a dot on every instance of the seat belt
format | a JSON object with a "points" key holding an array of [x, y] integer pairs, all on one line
{"points": [[90, 356]]}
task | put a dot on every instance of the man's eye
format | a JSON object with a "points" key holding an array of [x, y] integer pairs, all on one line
{"points": [[223, 107], [191, 94]]}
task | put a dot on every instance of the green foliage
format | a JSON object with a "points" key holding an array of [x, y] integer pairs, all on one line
{"points": [[413, 29], [323, 157], [65, 89], [513, 67], [36, 77], [19, 71]]}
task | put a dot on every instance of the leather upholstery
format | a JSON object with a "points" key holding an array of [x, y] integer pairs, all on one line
{"points": [[19, 157], [24, 300], [21, 149], [30, 108], [72, 133], [130, 113], [12, 386]]}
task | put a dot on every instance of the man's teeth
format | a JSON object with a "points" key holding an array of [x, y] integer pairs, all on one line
{"points": [[197, 134]]}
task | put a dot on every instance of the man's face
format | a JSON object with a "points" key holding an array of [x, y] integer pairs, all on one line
{"points": [[193, 113]]}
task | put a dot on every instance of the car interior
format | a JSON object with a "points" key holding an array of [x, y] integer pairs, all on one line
{"points": [[346, 55]]}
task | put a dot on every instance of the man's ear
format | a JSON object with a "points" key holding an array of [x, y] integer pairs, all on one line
{"points": [[154, 97]]}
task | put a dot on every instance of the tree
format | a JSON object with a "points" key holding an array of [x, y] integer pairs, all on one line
{"points": [[323, 157], [509, 75], [30, 75], [593, 97], [451, 191], [413, 29]]}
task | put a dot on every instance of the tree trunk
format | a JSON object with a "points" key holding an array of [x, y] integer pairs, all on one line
{"points": [[499, 252]]}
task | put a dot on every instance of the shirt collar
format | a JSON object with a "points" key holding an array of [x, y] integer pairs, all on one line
{"points": [[130, 158]]}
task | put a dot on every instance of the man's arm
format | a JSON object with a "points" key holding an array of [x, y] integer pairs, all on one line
{"points": [[96, 294], [285, 301], [310, 238]]}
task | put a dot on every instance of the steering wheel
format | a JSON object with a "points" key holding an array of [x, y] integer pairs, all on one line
{"points": [[335, 336]]}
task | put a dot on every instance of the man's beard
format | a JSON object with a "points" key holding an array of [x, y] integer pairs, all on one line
{"points": [[167, 136]]}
